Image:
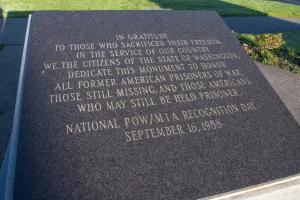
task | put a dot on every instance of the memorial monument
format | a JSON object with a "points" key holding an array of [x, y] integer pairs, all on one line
{"points": [[144, 105]]}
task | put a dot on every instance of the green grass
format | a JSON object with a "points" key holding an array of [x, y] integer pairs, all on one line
{"points": [[20, 8], [247, 38]]}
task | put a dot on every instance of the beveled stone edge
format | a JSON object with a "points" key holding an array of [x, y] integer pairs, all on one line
{"points": [[256, 189]]}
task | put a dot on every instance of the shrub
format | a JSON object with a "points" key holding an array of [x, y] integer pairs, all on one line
{"points": [[270, 49], [268, 57], [269, 41]]}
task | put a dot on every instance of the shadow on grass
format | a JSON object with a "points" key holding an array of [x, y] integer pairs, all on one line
{"points": [[292, 39], [261, 24], [223, 8], [295, 2], [257, 22], [19, 14]]}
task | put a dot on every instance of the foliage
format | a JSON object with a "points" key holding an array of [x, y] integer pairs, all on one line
{"points": [[269, 41], [271, 49]]}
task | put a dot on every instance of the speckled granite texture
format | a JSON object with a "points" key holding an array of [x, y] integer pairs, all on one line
{"points": [[251, 148]]}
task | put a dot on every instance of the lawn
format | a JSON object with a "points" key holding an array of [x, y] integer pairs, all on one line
{"points": [[20, 8]]}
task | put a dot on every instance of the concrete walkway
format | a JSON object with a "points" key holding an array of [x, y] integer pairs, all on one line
{"points": [[287, 86]]}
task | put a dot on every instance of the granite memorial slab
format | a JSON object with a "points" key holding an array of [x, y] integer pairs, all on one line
{"points": [[145, 105]]}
